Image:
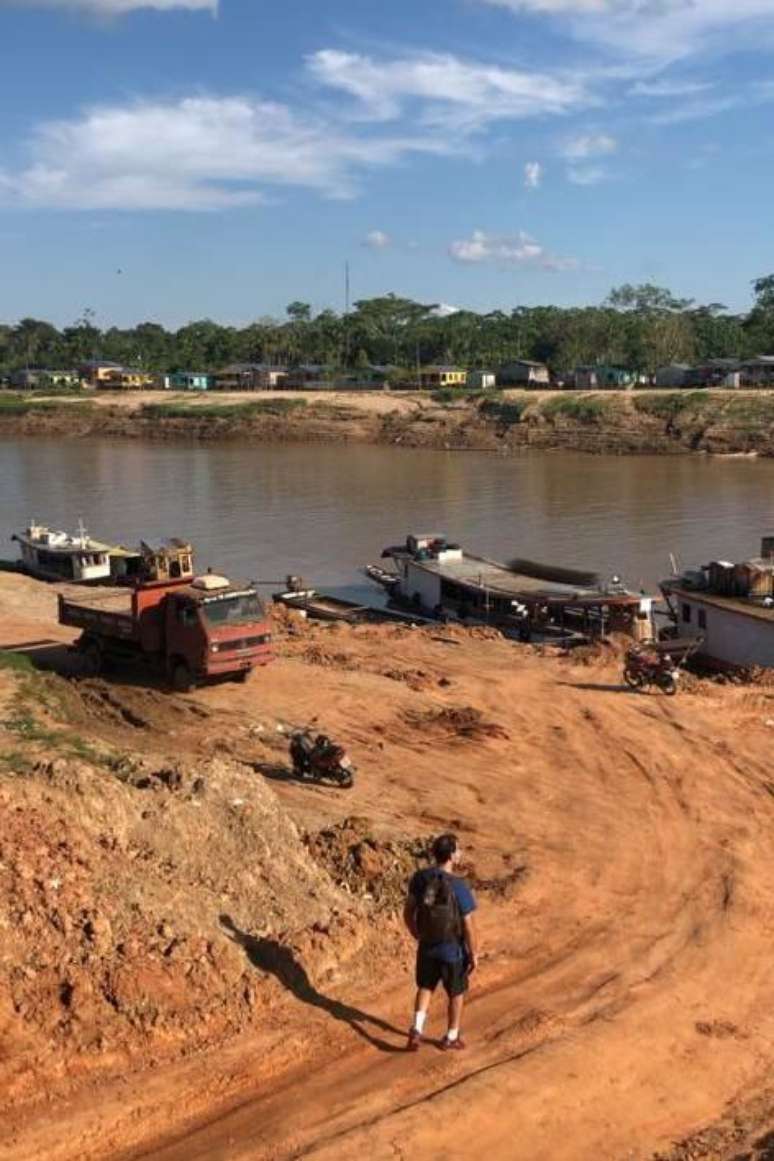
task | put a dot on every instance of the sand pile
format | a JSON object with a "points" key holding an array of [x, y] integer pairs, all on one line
{"points": [[364, 865], [114, 875]]}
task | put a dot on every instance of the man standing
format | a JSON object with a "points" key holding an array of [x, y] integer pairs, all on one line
{"points": [[439, 914]]}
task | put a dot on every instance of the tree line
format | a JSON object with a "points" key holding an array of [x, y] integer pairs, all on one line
{"points": [[638, 327]]}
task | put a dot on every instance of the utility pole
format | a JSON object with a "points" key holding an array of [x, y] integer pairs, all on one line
{"points": [[346, 314]]}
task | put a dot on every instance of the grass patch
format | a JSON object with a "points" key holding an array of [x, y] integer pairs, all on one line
{"points": [[227, 411], [507, 411], [25, 726], [19, 405], [15, 762], [447, 395], [14, 405], [16, 662], [584, 409], [749, 411], [668, 407]]}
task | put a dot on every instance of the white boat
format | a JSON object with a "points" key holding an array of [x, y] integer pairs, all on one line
{"points": [[62, 556], [436, 577], [728, 609]]}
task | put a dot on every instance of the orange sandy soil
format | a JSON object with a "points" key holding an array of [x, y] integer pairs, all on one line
{"points": [[625, 998]]}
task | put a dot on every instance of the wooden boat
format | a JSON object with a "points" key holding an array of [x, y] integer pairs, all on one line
{"points": [[435, 577], [60, 556], [321, 607]]}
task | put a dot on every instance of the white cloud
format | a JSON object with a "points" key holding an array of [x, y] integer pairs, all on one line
{"points": [[699, 109], [377, 240], [533, 175], [507, 250], [588, 145], [586, 174], [194, 154], [660, 29], [444, 310], [667, 88], [451, 92], [114, 7]]}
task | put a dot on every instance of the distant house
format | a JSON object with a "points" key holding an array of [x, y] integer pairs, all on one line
{"points": [[312, 377], [602, 375], [187, 381], [523, 373], [34, 377], [715, 373], [434, 377], [127, 379], [481, 380], [249, 377], [758, 372], [95, 371], [673, 375]]}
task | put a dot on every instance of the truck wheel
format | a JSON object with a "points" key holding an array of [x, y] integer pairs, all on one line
{"points": [[182, 678], [91, 660], [243, 676]]}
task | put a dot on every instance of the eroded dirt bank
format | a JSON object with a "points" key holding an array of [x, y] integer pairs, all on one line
{"points": [[719, 422], [200, 958]]}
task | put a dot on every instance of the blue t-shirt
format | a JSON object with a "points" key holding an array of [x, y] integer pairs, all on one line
{"points": [[452, 950]]}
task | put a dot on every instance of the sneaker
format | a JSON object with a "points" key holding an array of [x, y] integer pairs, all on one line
{"points": [[457, 1045], [414, 1040]]}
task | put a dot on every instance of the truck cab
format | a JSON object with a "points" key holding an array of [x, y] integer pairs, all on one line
{"points": [[214, 628]]}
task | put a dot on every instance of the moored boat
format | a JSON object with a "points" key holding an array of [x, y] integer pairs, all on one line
{"points": [[728, 609], [434, 576], [60, 556]]}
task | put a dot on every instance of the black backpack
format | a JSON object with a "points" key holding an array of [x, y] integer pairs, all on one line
{"points": [[438, 912]]}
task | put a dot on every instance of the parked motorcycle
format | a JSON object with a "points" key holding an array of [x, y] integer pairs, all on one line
{"points": [[321, 760], [645, 666]]}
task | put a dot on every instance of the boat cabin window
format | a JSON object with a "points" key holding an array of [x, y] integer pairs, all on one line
{"points": [[687, 614], [702, 619]]}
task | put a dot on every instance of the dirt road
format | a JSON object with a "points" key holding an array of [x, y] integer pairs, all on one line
{"points": [[624, 1000]]}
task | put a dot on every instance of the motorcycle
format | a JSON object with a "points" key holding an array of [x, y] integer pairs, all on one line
{"points": [[644, 667], [321, 760]]}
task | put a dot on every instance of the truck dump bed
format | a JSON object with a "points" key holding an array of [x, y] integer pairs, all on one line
{"points": [[110, 613]]}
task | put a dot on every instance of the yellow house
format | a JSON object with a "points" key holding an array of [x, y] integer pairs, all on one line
{"points": [[97, 371], [443, 377], [128, 380]]}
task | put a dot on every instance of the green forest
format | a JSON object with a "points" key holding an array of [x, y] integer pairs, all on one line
{"points": [[638, 327]]}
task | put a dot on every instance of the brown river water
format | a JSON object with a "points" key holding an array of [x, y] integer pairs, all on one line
{"points": [[261, 511]]}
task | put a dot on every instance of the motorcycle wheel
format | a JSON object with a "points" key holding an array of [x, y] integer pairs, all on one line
{"points": [[346, 779], [667, 684], [633, 678]]}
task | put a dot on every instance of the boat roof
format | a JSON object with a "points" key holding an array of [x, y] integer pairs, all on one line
{"points": [[738, 605], [479, 572], [63, 542]]}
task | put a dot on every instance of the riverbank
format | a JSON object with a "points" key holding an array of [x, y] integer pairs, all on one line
{"points": [[204, 958], [639, 422]]}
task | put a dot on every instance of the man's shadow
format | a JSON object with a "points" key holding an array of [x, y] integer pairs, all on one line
{"points": [[271, 956]]}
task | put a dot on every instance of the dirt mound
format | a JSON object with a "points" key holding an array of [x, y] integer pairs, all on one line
{"points": [[316, 654], [113, 880], [465, 723], [361, 864]]}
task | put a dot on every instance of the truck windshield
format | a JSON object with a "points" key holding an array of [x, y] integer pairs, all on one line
{"points": [[236, 610]]}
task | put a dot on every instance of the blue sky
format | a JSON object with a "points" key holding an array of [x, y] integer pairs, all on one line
{"points": [[179, 159]]}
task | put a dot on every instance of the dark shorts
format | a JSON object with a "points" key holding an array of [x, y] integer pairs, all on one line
{"points": [[431, 972]]}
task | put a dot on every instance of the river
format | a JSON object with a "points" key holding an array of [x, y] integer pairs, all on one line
{"points": [[261, 511]]}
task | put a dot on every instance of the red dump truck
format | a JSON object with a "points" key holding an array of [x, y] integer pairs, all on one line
{"points": [[190, 629]]}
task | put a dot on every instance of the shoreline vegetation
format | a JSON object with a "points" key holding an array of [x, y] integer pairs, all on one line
{"points": [[722, 422]]}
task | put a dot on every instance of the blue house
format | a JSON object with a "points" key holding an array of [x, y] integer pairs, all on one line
{"points": [[188, 381]]}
